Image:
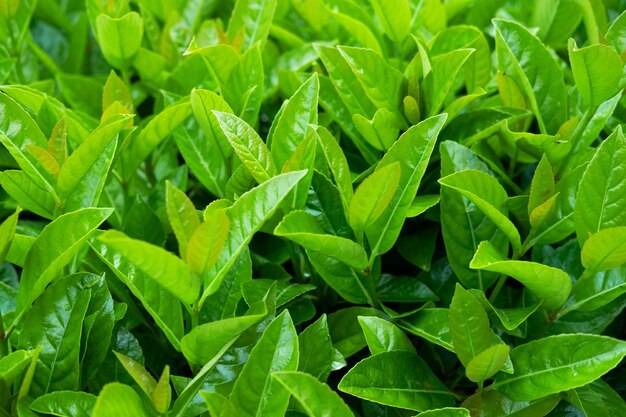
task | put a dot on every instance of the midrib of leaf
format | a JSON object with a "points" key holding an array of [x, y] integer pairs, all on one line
{"points": [[412, 390], [466, 203]]}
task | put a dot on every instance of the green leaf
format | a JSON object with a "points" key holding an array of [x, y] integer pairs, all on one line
{"points": [[552, 285], [406, 383], [600, 202], [140, 375], [65, 403], [161, 266], [523, 56], [345, 331], [162, 394], [203, 102], [255, 392], [469, 326], [315, 397], [495, 404], [605, 249], [337, 163], [219, 406], [291, 125], [380, 81], [511, 318], [7, 232], [13, 364], [254, 17], [617, 31], [247, 215], [22, 189], [597, 70], [318, 357], [487, 363], [55, 322], [383, 336], [542, 187], [431, 324], [395, 18], [446, 412], [438, 83], [120, 38], [83, 175], [158, 302], [248, 146], [207, 241], [302, 228], [380, 132], [558, 363], [421, 203], [54, 248], [340, 277], [488, 195], [203, 342], [182, 215], [372, 197], [412, 151], [119, 400], [17, 131], [157, 129], [597, 399]]}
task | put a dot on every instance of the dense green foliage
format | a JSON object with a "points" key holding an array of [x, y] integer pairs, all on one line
{"points": [[323, 208]]}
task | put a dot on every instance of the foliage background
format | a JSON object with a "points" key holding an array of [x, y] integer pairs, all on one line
{"points": [[311, 207]]}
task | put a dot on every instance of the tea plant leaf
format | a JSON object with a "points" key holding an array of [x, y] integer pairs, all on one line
{"points": [[302, 228], [599, 200], [395, 17], [446, 412], [65, 403], [54, 248], [605, 249], [20, 187], [315, 397], [558, 363], [254, 17], [550, 284], [120, 38], [597, 398], [7, 233], [248, 146], [597, 70], [207, 241], [156, 263], [487, 363], [488, 195], [291, 128], [119, 400], [383, 336], [372, 197], [469, 326], [318, 357], [83, 175], [527, 60], [406, 383], [182, 215], [255, 391], [247, 215], [412, 151]]}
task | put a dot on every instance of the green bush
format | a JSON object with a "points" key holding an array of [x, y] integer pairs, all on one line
{"points": [[323, 208]]}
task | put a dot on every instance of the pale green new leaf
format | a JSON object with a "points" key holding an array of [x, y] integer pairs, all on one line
{"points": [[248, 146], [182, 215], [373, 196], [292, 123], [469, 326], [383, 336], [7, 233], [412, 151], [487, 363], [489, 196], [254, 18], [550, 284], [138, 372], [119, 400], [207, 241], [163, 267], [597, 71], [120, 38], [395, 17], [302, 228], [83, 175], [605, 249]]}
